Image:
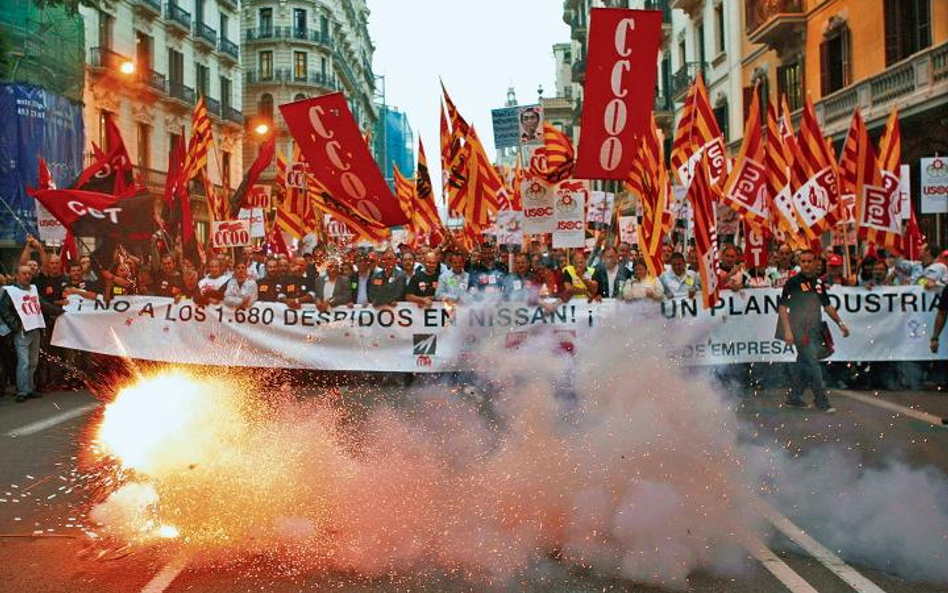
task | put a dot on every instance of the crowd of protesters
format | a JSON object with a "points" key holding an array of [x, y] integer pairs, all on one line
{"points": [[329, 276]]}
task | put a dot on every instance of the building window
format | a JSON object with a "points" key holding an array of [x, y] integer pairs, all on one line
{"points": [[266, 65], [175, 67], [266, 21], [143, 51], [106, 24], [226, 92], [224, 25], [265, 108], [790, 83], [199, 11], [225, 169], [144, 146], [834, 59], [322, 67], [682, 54], [299, 23], [299, 97], [202, 75], [324, 27], [299, 65], [720, 114], [699, 39], [907, 28], [173, 140], [719, 27]]}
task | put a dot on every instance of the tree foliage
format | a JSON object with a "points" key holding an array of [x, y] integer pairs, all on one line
{"points": [[72, 6]]}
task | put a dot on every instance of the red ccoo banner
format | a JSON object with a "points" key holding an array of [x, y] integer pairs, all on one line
{"points": [[621, 64], [338, 157]]}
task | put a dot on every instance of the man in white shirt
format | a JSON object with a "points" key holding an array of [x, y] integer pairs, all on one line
{"points": [[241, 291], [680, 282], [21, 312], [453, 284], [935, 273]]}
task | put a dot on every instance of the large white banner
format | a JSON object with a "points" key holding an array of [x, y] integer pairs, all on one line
{"points": [[890, 324]]}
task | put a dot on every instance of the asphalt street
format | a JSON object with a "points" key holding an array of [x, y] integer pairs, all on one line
{"points": [[42, 549]]}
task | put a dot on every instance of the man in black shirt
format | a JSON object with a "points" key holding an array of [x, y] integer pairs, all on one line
{"points": [[424, 283], [388, 285], [270, 285], [801, 324], [297, 288], [78, 285]]}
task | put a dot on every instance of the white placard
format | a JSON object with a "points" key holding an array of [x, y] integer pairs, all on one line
{"points": [[570, 214], [934, 185], [255, 217], [601, 205], [538, 198], [510, 227]]}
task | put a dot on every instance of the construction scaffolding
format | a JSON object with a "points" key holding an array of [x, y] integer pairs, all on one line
{"points": [[42, 47]]}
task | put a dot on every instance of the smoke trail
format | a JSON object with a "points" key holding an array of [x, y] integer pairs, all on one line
{"points": [[611, 460]]}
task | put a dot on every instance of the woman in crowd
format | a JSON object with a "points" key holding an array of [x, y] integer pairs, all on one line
{"points": [[642, 285]]}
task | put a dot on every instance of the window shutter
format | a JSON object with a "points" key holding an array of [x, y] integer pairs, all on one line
{"points": [[844, 38], [824, 68], [923, 12], [892, 31], [748, 97]]}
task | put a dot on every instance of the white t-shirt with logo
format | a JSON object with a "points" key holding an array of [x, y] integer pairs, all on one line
{"points": [[27, 304]]}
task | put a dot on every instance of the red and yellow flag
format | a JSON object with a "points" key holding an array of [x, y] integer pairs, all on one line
{"points": [[425, 209], [783, 218], [195, 159], [697, 134], [813, 179], [649, 182], [877, 188], [746, 188], [701, 194], [560, 155]]}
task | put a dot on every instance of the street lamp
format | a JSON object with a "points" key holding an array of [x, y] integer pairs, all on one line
{"points": [[262, 129], [127, 67]]}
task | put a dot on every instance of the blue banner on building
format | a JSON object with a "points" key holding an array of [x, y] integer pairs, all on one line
{"points": [[36, 123]]}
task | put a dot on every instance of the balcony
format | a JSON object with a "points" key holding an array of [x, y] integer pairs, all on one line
{"points": [[213, 106], [103, 58], [153, 179], [229, 49], [233, 115], [662, 5], [775, 23], [685, 75], [178, 19], [231, 4], [150, 8], [578, 27], [342, 64], [261, 34], [578, 71], [314, 78], [205, 35], [181, 93], [151, 79], [692, 7], [266, 76], [309, 36], [915, 84]]}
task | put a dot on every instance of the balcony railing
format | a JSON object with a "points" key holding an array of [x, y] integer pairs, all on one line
{"points": [[229, 48], [213, 105], [314, 78], [152, 79], [914, 80], [683, 78], [306, 34], [260, 76], [578, 70], [152, 7], [153, 178], [231, 4], [231, 114], [759, 12], [178, 16], [344, 65], [206, 34], [103, 57], [178, 90]]}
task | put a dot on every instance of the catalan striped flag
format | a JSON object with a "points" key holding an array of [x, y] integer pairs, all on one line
{"points": [[746, 188], [195, 159], [483, 187], [701, 194], [404, 191], [560, 155], [697, 134], [878, 200], [459, 125], [290, 213], [648, 181], [813, 179], [783, 218], [426, 211]]}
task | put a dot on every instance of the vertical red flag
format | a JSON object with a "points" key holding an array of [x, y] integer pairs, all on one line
{"points": [[701, 195], [340, 161], [621, 64], [698, 134], [813, 178], [783, 219], [879, 215], [425, 208]]}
